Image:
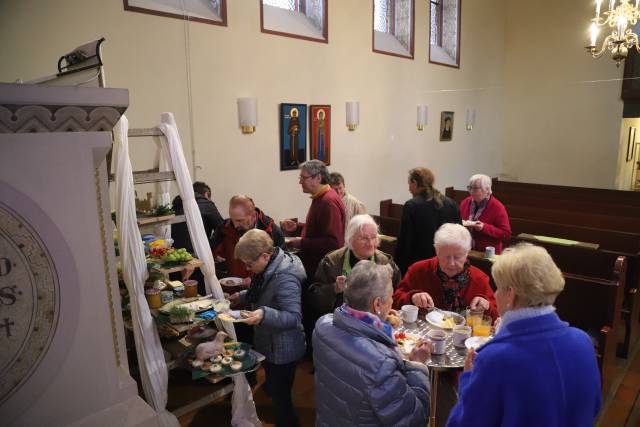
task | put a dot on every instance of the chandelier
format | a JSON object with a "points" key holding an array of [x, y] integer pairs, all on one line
{"points": [[618, 19]]}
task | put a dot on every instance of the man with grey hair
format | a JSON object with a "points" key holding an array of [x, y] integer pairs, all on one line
{"points": [[361, 243], [323, 229], [484, 215], [360, 377]]}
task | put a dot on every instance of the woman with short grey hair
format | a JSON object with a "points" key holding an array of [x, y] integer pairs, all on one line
{"points": [[537, 370], [447, 281], [361, 243], [484, 215], [361, 378]]}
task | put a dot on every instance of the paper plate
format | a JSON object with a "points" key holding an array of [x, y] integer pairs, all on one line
{"points": [[231, 282], [476, 342], [233, 316], [436, 318]]}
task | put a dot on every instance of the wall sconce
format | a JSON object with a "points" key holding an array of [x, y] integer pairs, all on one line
{"points": [[248, 114], [470, 120], [353, 115], [422, 116]]}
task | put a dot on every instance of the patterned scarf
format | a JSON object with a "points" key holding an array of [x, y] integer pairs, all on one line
{"points": [[257, 282], [452, 287], [369, 318], [477, 209]]}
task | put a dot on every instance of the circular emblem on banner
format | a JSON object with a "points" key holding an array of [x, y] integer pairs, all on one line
{"points": [[29, 301]]}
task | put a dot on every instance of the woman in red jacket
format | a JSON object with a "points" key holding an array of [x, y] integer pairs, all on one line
{"points": [[484, 215], [447, 281]]}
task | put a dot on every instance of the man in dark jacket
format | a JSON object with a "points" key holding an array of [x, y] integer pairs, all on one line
{"points": [[243, 216], [211, 218]]}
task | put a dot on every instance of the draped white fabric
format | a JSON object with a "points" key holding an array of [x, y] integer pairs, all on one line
{"points": [[153, 369], [243, 407], [164, 197]]}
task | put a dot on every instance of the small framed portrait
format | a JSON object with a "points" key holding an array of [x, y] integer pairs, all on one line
{"points": [[446, 126], [293, 135], [206, 11], [320, 133]]}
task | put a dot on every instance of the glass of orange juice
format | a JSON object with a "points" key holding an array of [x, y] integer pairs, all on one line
{"points": [[482, 326], [473, 315]]}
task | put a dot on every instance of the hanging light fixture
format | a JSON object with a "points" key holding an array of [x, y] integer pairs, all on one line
{"points": [[620, 19]]}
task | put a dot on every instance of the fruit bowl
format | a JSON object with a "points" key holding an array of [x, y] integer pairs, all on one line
{"points": [[176, 256]]}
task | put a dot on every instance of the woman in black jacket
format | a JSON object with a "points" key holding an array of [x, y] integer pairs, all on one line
{"points": [[421, 217]]}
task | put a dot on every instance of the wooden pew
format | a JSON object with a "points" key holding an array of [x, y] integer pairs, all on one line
{"points": [[601, 195], [590, 304]]}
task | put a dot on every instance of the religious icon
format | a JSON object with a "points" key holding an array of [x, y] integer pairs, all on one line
{"points": [[320, 132], [293, 135], [446, 126]]}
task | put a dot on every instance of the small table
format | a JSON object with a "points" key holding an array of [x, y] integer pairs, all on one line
{"points": [[452, 359]]}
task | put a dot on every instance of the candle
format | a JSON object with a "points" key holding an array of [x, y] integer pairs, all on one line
{"points": [[622, 26], [598, 8], [594, 33], [611, 3]]}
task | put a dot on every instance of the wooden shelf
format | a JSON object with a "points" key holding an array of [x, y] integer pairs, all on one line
{"points": [[149, 176], [146, 220], [195, 263]]}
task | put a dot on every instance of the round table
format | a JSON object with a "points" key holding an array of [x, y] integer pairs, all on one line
{"points": [[452, 359]]}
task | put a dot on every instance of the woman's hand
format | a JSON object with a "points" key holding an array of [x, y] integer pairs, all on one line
{"points": [[187, 272], [246, 281], [254, 317], [479, 302], [341, 283], [421, 352], [468, 361], [422, 300], [234, 298], [478, 226]]}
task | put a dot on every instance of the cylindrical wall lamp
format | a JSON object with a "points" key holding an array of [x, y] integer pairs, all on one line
{"points": [[470, 119], [422, 116], [248, 114], [353, 115]]}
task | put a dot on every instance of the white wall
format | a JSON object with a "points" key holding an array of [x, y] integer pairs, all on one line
{"points": [[562, 107], [147, 54]]}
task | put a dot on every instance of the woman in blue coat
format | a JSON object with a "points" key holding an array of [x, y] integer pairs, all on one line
{"points": [[537, 370], [361, 378], [274, 295]]}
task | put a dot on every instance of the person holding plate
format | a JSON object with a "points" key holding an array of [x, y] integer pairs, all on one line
{"points": [[360, 377], [275, 297], [537, 370], [484, 215], [447, 281]]}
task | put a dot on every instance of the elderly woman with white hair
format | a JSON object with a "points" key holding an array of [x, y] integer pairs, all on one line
{"points": [[537, 370], [361, 237], [484, 215], [361, 378], [447, 281]]}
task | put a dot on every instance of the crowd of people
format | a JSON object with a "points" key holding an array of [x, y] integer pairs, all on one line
{"points": [[333, 297]]}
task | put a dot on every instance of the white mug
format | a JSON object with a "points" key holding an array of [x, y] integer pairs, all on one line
{"points": [[460, 335], [438, 340], [409, 313], [489, 251]]}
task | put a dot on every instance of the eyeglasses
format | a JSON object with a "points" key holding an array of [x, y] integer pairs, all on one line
{"points": [[454, 258], [472, 189], [250, 264], [365, 239], [304, 178]]}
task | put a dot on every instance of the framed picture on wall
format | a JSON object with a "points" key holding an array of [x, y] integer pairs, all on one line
{"points": [[206, 11], [320, 133], [446, 126], [293, 135]]}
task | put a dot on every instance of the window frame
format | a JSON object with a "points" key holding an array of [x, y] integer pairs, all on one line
{"points": [[223, 14], [392, 29], [300, 5], [458, 46]]}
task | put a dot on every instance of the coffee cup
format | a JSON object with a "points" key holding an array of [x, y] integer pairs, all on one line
{"points": [[489, 252], [409, 313], [460, 335], [438, 340]]}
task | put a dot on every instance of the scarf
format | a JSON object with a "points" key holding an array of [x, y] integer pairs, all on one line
{"points": [[452, 287], [347, 264], [477, 209], [369, 319], [257, 282]]}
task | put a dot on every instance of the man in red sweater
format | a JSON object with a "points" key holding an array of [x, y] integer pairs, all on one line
{"points": [[323, 230]]}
